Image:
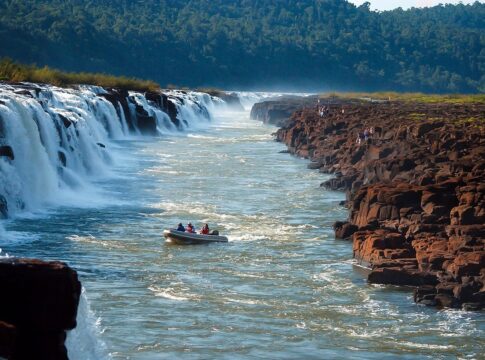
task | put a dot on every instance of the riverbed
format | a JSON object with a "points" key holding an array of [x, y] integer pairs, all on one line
{"points": [[282, 288]]}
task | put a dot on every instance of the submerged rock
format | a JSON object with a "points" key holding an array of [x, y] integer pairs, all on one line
{"points": [[3, 207]]}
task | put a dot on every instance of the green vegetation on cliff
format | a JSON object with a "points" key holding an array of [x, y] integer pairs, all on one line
{"points": [[410, 97], [14, 72], [254, 43]]}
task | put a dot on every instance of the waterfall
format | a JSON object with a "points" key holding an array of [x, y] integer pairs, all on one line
{"points": [[55, 140]]}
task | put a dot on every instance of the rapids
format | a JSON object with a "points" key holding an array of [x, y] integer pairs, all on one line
{"points": [[282, 287]]}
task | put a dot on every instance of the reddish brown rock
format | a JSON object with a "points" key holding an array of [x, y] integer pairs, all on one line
{"points": [[416, 190], [39, 300], [344, 230], [401, 276]]}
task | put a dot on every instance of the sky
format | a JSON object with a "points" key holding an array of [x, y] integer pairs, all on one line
{"points": [[405, 4]]}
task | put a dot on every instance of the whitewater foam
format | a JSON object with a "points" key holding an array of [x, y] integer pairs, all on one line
{"points": [[84, 342]]}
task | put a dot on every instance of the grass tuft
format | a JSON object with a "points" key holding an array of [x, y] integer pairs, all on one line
{"points": [[411, 97], [14, 72]]}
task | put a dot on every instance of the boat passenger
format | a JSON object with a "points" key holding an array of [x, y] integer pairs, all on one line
{"points": [[190, 228], [180, 227], [205, 230]]}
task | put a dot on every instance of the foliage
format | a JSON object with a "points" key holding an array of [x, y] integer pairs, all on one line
{"points": [[312, 44], [14, 72], [411, 97]]}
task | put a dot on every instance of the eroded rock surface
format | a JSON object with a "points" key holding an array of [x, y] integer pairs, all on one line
{"points": [[277, 111], [415, 191]]}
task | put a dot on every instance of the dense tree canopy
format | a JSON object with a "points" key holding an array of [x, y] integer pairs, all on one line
{"points": [[253, 43]]}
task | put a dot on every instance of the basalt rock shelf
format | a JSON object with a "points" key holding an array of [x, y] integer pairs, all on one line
{"points": [[415, 191], [38, 304]]}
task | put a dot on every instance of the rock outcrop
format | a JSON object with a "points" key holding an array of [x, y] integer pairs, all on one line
{"points": [[277, 111], [137, 116], [38, 304], [415, 191], [3, 207], [230, 98], [7, 151]]}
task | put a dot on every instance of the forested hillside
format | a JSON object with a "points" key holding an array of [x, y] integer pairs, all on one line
{"points": [[313, 44]]}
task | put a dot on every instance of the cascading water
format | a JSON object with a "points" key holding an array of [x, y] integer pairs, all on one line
{"points": [[55, 141], [60, 138]]}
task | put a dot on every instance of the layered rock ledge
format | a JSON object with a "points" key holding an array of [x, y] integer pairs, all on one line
{"points": [[38, 303], [277, 111], [415, 190]]}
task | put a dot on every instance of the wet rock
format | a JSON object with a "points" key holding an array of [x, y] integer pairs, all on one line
{"points": [[472, 306], [67, 123], [170, 108], [446, 301], [39, 300], [3, 207], [344, 230], [62, 158], [414, 191], [146, 123], [401, 276], [7, 151], [120, 100]]}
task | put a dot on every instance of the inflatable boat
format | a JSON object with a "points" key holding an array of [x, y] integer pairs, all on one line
{"points": [[184, 238]]}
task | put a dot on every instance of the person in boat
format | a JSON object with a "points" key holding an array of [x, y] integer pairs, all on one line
{"points": [[205, 230], [180, 227], [190, 228]]}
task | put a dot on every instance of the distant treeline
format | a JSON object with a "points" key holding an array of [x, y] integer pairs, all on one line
{"points": [[14, 72], [313, 44]]}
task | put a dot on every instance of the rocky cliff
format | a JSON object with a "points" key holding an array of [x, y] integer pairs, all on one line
{"points": [[415, 190], [277, 111], [38, 304]]}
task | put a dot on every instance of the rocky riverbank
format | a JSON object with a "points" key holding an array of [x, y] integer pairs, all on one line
{"points": [[415, 190], [38, 304], [277, 111]]}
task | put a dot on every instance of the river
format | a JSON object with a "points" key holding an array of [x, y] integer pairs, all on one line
{"points": [[282, 288]]}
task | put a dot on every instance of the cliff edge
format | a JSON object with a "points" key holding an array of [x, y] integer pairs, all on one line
{"points": [[38, 304], [414, 173]]}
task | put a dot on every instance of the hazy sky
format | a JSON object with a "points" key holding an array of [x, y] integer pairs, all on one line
{"points": [[392, 4]]}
